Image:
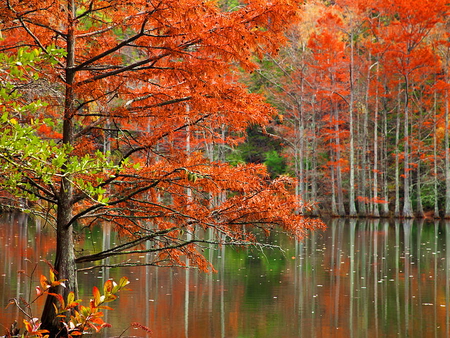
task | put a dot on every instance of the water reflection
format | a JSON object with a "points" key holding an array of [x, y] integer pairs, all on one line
{"points": [[359, 278]]}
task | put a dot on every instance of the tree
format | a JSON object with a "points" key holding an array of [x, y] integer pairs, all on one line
{"points": [[443, 52], [409, 54], [282, 80], [128, 84]]}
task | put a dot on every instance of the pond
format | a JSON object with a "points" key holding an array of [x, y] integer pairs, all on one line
{"points": [[358, 278]]}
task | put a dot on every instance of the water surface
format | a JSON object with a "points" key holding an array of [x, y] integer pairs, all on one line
{"points": [[359, 278]]}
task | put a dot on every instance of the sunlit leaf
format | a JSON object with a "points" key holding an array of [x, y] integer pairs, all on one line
{"points": [[28, 326], [108, 286], [97, 296], [52, 276], [44, 282]]}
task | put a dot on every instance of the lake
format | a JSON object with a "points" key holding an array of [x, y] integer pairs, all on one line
{"points": [[358, 278]]}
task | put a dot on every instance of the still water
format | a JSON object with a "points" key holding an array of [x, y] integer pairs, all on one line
{"points": [[359, 278]]}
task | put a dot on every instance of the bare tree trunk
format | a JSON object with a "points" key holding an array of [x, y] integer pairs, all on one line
{"points": [[407, 207], [447, 156], [339, 189], [419, 207], [300, 150], [397, 166], [375, 209], [385, 206], [313, 172], [363, 163], [340, 192], [334, 209], [352, 207], [435, 157]]}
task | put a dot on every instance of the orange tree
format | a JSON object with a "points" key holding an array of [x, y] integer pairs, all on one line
{"points": [[139, 94]]}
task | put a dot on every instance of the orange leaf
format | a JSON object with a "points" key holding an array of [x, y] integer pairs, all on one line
{"points": [[28, 326], [105, 307], [107, 288], [44, 282], [96, 294], [76, 333]]}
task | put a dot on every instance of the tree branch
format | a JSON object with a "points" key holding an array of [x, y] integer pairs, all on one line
{"points": [[112, 50]]}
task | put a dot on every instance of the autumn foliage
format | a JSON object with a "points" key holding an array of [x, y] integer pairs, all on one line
{"points": [[142, 98], [363, 86], [76, 319]]}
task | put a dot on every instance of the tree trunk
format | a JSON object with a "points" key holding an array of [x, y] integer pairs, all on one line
{"points": [[339, 189], [300, 152], [397, 167], [334, 211], [352, 207], [65, 267], [385, 207], [447, 156], [419, 208], [407, 207], [435, 162], [362, 205], [375, 209], [314, 172]]}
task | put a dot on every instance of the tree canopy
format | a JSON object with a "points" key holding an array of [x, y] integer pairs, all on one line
{"points": [[363, 90], [140, 98]]}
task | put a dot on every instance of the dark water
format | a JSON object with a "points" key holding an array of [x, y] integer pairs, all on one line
{"points": [[364, 278]]}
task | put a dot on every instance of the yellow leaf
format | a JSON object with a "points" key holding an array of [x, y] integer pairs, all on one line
{"points": [[71, 297]]}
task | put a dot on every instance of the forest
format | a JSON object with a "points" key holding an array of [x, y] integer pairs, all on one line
{"points": [[362, 91], [186, 123]]}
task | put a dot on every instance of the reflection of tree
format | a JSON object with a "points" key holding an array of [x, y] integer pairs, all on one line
{"points": [[19, 262], [447, 280], [400, 285]]}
